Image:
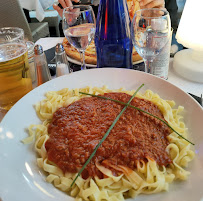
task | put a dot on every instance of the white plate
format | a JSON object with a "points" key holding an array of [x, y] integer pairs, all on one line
{"points": [[93, 65], [22, 180]]}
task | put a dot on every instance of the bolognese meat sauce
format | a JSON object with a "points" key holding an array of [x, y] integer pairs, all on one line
{"points": [[76, 130]]}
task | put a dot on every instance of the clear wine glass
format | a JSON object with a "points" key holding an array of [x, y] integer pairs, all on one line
{"points": [[79, 28], [150, 32]]}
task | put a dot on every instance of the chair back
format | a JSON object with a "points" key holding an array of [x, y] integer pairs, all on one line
{"points": [[12, 15]]}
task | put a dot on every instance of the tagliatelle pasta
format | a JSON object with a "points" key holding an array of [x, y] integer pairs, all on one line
{"points": [[148, 177]]}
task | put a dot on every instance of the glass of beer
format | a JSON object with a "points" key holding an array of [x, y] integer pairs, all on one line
{"points": [[15, 79]]}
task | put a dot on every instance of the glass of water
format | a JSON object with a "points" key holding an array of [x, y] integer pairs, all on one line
{"points": [[150, 32], [79, 28]]}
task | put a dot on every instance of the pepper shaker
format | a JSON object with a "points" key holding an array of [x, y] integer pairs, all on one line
{"points": [[41, 66]]}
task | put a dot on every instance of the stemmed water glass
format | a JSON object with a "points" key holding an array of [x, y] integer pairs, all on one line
{"points": [[79, 28], [150, 32]]}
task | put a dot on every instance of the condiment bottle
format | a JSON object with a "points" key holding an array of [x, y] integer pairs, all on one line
{"points": [[62, 65], [43, 73], [112, 38]]}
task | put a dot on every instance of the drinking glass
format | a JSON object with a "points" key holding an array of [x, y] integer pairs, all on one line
{"points": [[15, 79], [150, 32], [8, 34], [79, 28]]}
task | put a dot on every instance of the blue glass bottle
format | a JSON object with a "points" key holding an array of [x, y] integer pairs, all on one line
{"points": [[112, 37]]}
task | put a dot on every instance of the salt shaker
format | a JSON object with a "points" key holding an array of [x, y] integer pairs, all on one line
{"points": [[62, 65], [43, 73]]}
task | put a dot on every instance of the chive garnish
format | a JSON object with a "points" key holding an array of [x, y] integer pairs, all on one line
{"points": [[106, 135], [107, 98]]}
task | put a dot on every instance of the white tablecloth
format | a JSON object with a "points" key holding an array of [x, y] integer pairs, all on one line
{"points": [[186, 85], [37, 5]]}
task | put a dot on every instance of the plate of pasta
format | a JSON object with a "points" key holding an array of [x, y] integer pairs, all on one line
{"points": [[92, 135]]}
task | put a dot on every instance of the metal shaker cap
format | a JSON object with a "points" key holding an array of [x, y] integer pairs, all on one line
{"points": [[38, 50], [59, 48]]}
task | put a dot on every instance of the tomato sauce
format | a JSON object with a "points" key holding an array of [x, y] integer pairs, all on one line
{"points": [[75, 131]]}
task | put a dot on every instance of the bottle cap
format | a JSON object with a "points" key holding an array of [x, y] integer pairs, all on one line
{"points": [[38, 49], [59, 48]]}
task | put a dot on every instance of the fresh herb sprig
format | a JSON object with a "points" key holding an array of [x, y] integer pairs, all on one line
{"points": [[106, 135], [120, 102]]}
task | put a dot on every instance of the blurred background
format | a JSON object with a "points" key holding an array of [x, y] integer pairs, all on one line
{"points": [[53, 20]]}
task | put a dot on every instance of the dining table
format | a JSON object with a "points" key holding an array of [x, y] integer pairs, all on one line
{"points": [[20, 175], [187, 86], [195, 89], [37, 5]]}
